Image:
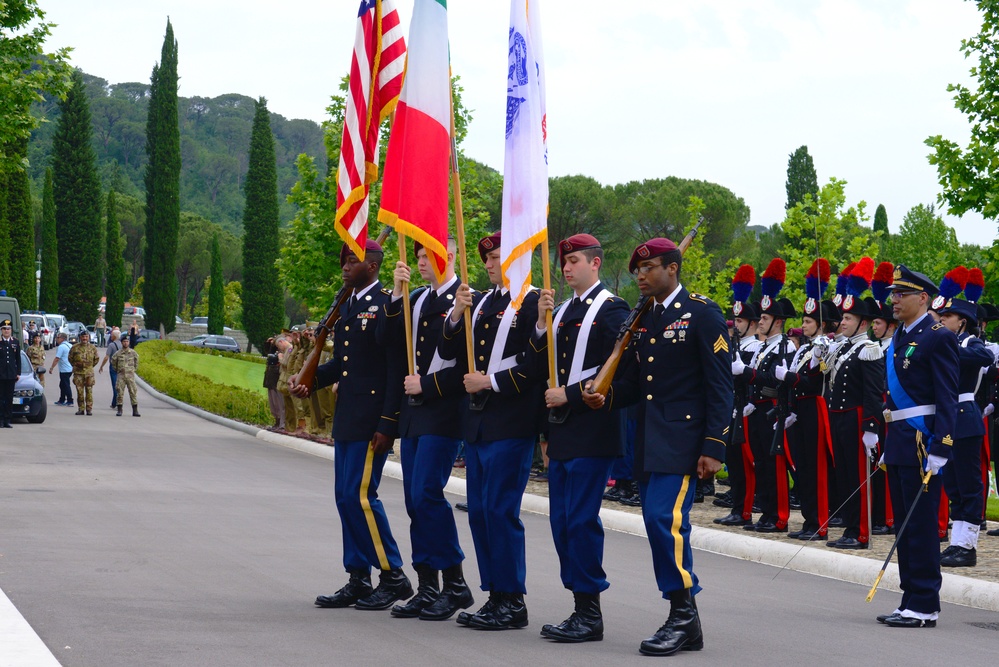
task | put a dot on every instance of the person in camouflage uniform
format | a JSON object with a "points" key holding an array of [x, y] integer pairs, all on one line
{"points": [[36, 354], [125, 362], [286, 350], [83, 357], [302, 406]]}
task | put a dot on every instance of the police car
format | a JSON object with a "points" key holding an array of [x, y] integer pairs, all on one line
{"points": [[29, 394]]}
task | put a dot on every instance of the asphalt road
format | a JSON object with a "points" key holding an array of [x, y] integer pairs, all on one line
{"points": [[168, 540]]}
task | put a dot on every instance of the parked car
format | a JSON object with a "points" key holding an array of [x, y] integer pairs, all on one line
{"points": [[40, 327], [147, 334], [73, 331], [226, 343], [29, 394], [199, 322], [56, 323], [135, 311]]}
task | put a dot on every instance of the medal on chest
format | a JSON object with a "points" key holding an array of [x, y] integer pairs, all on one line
{"points": [[908, 353]]}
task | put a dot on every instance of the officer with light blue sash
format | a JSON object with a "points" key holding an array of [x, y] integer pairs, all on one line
{"points": [[922, 379]]}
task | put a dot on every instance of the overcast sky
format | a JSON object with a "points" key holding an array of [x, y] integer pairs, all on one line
{"points": [[719, 90]]}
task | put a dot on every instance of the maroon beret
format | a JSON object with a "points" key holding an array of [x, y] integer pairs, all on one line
{"points": [[575, 243], [369, 246], [648, 250], [488, 244]]}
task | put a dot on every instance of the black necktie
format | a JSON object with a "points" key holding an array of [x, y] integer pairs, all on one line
{"points": [[575, 301], [350, 303]]}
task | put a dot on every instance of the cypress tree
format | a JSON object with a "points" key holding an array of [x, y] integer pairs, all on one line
{"points": [[21, 284], [263, 297], [77, 195], [216, 292], [801, 178], [881, 221], [50, 249], [162, 190], [115, 290]]}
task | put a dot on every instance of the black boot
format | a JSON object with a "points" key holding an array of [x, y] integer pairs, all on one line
{"points": [[510, 613], [682, 630], [707, 486], [135, 410], [393, 585], [118, 414], [464, 618], [584, 625], [631, 496], [455, 595], [357, 587], [614, 493], [427, 591]]}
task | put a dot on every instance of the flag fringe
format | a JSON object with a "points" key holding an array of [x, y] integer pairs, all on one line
{"points": [[414, 232]]}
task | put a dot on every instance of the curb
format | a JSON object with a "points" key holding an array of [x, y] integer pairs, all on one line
{"points": [[956, 589]]}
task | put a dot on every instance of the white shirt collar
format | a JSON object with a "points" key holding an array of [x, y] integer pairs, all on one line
{"points": [[358, 295], [445, 287], [774, 338], [668, 300], [592, 288], [907, 329]]}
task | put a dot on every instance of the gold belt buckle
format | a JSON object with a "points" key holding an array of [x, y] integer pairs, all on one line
{"points": [[888, 417]]}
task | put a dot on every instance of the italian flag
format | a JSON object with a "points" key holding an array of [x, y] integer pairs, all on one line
{"points": [[415, 184]]}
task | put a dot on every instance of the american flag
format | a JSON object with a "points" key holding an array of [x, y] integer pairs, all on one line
{"points": [[376, 73]]}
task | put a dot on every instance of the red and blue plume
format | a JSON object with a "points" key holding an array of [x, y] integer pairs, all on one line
{"points": [[817, 279], [976, 285], [860, 277], [881, 284], [842, 278], [772, 280], [953, 282], [743, 282]]}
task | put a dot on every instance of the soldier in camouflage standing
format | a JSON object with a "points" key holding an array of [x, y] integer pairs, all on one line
{"points": [[83, 357], [36, 353], [125, 363]]}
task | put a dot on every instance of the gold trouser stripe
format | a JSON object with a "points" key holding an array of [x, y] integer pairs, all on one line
{"points": [[688, 581], [369, 516]]}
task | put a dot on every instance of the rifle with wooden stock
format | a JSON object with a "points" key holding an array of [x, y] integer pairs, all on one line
{"points": [[307, 376], [602, 382]]}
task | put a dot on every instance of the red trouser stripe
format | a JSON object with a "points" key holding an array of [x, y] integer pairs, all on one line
{"points": [[783, 504], [824, 445], [749, 466], [986, 462], [943, 515], [865, 471]]}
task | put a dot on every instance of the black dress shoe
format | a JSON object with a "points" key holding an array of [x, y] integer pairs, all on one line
{"points": [[723, 501], [846, 543], [427, 592], [723, 482], [899, 621], [393, 585], [836, 522], [707, 486], [769, 527], [733, 519], [613, 493], [454, 595], [586, 624], [698, 497], [634, 500], [681, 632], [461, 506], [464, 618], [993, 533], [811, 536], [510, 613], [884, 617], [881, 530], [960, 557], [357, 587]]}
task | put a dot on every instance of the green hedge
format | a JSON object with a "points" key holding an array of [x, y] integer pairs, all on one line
{"points": [[255, 358], [225, 400]]}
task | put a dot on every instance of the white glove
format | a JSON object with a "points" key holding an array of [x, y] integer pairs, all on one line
{"points": [[791, 418], [934, 463], [989, 409], [748, 410], [738, 367], [815, 360], [781, 371], [881, 461], [870, 442]]}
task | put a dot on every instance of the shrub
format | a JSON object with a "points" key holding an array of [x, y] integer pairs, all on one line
{"points": [[224, 400]]}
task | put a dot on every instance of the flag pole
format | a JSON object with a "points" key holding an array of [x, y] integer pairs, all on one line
{"points": [[547, 269], [459, 218], [407, 315]]}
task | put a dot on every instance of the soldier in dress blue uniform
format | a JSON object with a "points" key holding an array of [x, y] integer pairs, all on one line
{"points": [[501, 421], [683, 383], [770, 470], [855, 397], [431, 436], [582, 443], [368, 372], [922, 377], [738, 458], [10, 369], [962, 479]]}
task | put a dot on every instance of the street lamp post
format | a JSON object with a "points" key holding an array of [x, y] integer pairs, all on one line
{"points": [[38, 281]]}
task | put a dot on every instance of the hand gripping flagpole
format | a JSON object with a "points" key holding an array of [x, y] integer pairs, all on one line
{"points": [[546, 268], [459, 218]]}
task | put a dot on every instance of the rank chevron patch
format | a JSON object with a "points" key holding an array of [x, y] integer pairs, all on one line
{"points": [[721, 344]]}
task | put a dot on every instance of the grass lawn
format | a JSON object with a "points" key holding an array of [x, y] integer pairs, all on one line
{"points": [[221, 370]]}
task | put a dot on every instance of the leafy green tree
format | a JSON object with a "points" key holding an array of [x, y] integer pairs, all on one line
{"points": [[25, 72], [263, 307], [77, 195], [823, 227], [116, 278], [216, 296], [925, 243], [801, 178], [4, 235], [968, 175], [21, 257], [136, 296], [162, 190], [50, 249], [232, 300]]}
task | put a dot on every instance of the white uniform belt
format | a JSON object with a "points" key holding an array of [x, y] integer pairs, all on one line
{"points": [[907, 413], [964, 398]]}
